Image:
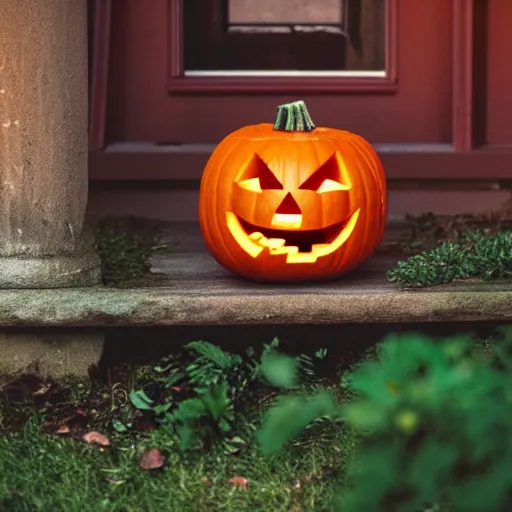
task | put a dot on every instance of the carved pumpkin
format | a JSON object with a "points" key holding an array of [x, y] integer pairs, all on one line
{"points": [[291, 201]]}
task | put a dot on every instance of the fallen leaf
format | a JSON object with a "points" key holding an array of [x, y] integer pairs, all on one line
{"points": [[42, 390], [238, 481], [63, 429], [96, 438], [152, 459], [53, 426]]}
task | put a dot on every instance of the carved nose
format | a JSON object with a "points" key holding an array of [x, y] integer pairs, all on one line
{"points": [[288, 214]]}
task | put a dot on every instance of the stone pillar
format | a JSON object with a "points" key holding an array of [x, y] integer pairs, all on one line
{"points": [[44, 145], [43, 175]]}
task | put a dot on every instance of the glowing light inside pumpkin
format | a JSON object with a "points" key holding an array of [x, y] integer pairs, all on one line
{"points": [[331, 186], [252, 184], [254, 243], [286, 220]]}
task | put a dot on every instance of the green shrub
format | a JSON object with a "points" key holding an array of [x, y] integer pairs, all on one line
{"points": [[476, 255], [204, 396], [434, 426]]}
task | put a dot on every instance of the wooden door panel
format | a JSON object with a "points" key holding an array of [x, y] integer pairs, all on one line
{"points": [[141, 108]]}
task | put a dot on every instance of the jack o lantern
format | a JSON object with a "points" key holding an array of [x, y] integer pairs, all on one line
{"points": [[291, 201]]}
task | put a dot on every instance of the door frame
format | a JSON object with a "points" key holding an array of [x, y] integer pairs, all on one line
{"points": [[177, 82]]}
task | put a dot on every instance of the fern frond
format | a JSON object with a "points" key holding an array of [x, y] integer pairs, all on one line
{"points": [[210, 352]]}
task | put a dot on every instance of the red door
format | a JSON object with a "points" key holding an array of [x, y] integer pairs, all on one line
{"points": [[432, 105]]}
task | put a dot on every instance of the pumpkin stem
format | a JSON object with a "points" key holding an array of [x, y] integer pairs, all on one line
{"points": [[293, 117]]}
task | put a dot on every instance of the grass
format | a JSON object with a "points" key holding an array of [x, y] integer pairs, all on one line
{"points": [[402, 443], [47, 473], [44, 468]]}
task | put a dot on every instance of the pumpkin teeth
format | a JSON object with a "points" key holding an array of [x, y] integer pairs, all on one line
{"points": [[256, 236], [272, 243], [287, 249], [294, 241]]}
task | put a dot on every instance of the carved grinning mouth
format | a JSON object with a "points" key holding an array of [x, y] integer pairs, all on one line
{"points": [[304, 240], [299, 246]]}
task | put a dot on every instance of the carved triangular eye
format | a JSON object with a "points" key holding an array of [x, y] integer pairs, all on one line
{"points": [[256, 176], [326, 178]]}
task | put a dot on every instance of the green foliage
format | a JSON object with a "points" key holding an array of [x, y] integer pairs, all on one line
{"points": [[199, 395], [124, 251], [440, 416], [475, 255], [277, 427], [433, 421], [141, 400], [211, 366], [284, 371], [208, 416], [198, 398], [279, 370], [303, 409]]}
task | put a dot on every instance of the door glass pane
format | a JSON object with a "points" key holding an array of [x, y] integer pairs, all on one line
{"points": [[284, 11], [283, 36]]}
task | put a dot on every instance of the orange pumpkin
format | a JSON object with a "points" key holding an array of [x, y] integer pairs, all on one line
{"points": [[291, 201]]}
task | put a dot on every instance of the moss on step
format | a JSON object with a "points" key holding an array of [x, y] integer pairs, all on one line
{"points": [[125, 245]]}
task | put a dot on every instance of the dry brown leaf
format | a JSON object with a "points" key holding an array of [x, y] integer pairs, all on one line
{"points": [[152, 459], [238, 481], [63, 429], [42, 390], [96, 438]]}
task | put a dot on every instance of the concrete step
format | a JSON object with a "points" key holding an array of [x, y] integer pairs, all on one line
{"points": [[189, 288]]}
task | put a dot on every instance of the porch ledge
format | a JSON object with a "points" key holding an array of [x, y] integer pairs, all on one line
{"points": [[215, 304], [173, 161], [189, 288]]}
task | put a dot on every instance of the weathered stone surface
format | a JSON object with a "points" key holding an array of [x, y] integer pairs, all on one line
{"points": [[190, 288], [167, 306], [43, 145], [53, 354], [193, 290]]}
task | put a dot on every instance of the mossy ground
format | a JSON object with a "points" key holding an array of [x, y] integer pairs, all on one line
{"points": [[125, 245]]}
